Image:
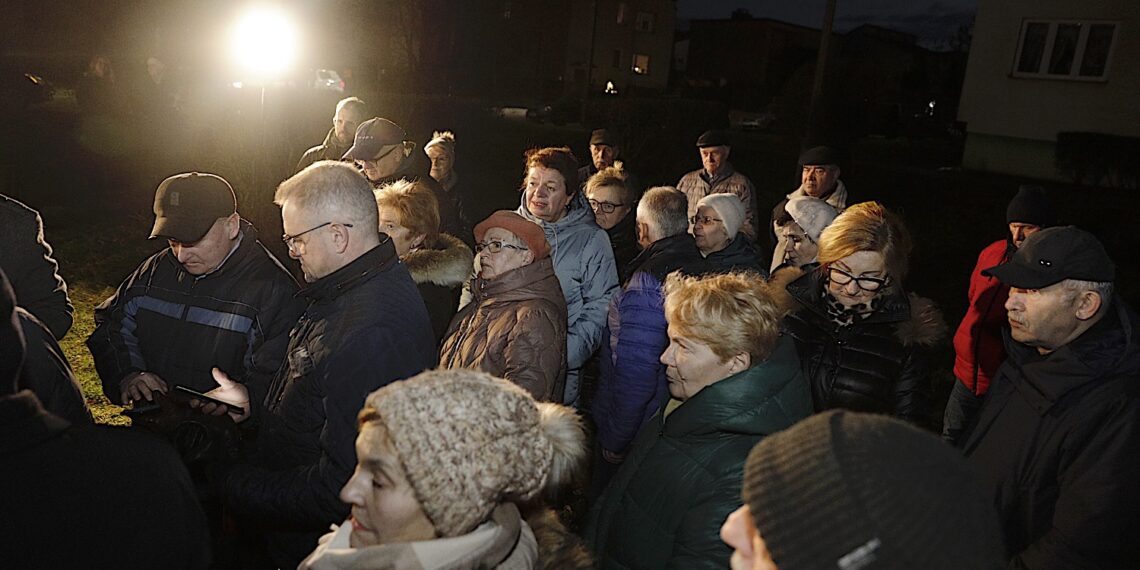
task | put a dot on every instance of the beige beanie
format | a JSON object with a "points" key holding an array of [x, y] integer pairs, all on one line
{"points": [[469, 441]]}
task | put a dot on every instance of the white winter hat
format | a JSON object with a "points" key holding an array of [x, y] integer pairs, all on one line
{"points": [[729, 208], [811, 214]]}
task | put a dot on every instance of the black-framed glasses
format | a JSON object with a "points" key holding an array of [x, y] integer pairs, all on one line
{"points": [[360, 161], [291, 240], [496, 246], [605, 207], [703, 220], [868, 284]]}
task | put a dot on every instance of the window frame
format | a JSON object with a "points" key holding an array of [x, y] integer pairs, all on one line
{"points": [[633, 67], [1086, 27]]}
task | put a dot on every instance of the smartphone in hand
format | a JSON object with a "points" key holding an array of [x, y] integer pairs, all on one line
{"points": [[232, 408]]}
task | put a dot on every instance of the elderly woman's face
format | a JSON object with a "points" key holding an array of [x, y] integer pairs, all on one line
{"points": [[510, 254], [440, 162], [384, 506], [799, 249], [402, 237], [709, 231], [608, 198], [857, 279], [546, 193]]}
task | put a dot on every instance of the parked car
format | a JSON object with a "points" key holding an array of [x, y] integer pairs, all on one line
{"points": [[328, 80]]}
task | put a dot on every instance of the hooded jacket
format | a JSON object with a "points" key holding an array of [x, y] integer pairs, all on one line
{"points": [[514, 328], [1057, 445], [584, 264], [697, 184], [665, 506], [877, 365], [330, 149], [978, 345], [365, 326], [439, 270], [164, 320]]}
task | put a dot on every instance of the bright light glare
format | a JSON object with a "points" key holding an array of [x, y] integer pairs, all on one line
{"points": [[264, 41]]}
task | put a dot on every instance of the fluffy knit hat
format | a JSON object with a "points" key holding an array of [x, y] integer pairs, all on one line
{"points": [[857, 491], [811, 214], [729, 208], [445, 140], [528, 231], [469, 441], [1031, 206]]}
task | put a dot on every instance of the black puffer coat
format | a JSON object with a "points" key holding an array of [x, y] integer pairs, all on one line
{"points": [[879, 365]]}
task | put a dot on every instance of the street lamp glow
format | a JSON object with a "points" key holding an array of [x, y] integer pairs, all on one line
{"points": [[264, 41]]}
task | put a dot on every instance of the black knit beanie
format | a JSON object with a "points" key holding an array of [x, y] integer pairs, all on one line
{"points": [[858, 491], [1031, 206]]}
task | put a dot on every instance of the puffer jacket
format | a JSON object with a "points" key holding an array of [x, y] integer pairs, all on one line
{"points": [[514, 328], [631, 382], [739, 255], [329, 149], [665, 506], [584, 264], [878, 365], [978, 346], [697, 184], [439, 270], [365, 327]]}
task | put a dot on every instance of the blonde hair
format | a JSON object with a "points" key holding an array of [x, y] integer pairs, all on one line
{"points": [[415, 206], [731, 313], [613, 177], [868, 226]]}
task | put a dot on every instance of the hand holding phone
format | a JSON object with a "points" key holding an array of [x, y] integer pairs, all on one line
{"points": [[231, 408]]}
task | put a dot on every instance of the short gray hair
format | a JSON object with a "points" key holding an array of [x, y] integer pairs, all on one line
{"points": [[1074, 287], [352, 105], [333, 188], [665, 209]]}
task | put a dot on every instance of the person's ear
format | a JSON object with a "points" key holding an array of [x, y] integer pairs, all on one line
{"points": [[1088, 305], [529, 257], [418, 241], [740, 362], [233, 225], [340, 237], [838, 171]]}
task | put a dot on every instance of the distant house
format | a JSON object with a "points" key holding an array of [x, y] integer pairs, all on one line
{"points": [[1042, 67], [632, 44]]}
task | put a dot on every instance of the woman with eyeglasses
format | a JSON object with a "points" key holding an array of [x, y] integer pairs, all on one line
{"points": [[515, 325], [717, 229], [863, 341], [613, 198]]}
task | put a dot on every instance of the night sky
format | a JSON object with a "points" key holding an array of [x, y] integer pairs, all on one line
{"points": [[933, 21]]}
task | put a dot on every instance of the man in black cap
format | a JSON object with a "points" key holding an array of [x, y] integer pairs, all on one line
{"points": [[216, 298], [604, 152], [383, 151], [1057, 440], [819, 178], [978, 345], [718, 177]]}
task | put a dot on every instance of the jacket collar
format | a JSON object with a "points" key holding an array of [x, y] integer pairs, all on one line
{"points": [[808, 291], [446, 263], [24, 423], [579, 213], [725, 173], [524, 277], [331, 144], [375, 261]]}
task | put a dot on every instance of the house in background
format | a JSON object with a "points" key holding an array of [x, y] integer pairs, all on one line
{"points": [[1042, 67]]}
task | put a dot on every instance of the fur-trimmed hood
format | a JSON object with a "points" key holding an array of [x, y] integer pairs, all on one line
{"points": [[918, 320], [446, 263]]}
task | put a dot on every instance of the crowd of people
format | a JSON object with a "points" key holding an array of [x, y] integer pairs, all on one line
{"points": [[438, 392]]}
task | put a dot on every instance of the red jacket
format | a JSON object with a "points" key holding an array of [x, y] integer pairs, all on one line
{"points": [[978, 348]]}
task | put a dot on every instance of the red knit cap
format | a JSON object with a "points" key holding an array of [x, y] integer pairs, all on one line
{"points": [[528, 231]]}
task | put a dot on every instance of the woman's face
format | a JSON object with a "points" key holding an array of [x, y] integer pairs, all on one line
{"points": [[384, 505], [402, 237], [851, 278], [604, 198], [440, 162], [510, 256], [709, 231], [799, 249], [546, 195]]}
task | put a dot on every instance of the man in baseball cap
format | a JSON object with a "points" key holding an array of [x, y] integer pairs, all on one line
{"points": [[1057, 440], [215, 298]]}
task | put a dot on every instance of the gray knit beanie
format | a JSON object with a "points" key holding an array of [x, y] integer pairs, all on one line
{"points": [[729, 208], [856, 491], [811, 214], [469, 441]]}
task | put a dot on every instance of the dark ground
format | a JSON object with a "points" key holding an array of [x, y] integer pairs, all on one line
{"points": [[93, 180]]}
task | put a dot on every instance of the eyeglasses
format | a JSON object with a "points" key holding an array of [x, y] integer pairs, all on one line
{"points": [[868, 284], [291, 240], [496, 246], [360, 162], [703, 220], [605, 207]]}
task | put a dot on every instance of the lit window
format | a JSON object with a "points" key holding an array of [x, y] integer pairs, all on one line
{"points": [[641, 64], [1065, 50], [645, 22]]}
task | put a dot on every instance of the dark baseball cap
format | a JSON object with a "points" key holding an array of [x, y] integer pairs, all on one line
{"points": [[187, 205], [712, 138], [603, 137], [372, 136], [1053, 255]]}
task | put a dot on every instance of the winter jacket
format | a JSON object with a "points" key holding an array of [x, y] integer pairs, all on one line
{"points": [[365, 326], [978, 345], [632, 384], [514, 328], [439, 270], [417, 168], [84, 496], [32, 271], [47, 373], [665, 506], [623, 240], [878, 365], [1057, 443], [330, 149], [164, 320], [584, 264], [739, 255], [697, 184]]}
